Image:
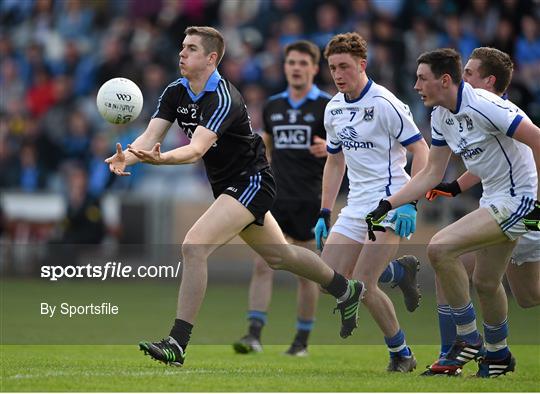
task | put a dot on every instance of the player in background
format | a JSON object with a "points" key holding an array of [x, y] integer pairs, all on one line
{"points": [[489, 69], [370, 131], [490, 136], [295, 142], [212, 113]]}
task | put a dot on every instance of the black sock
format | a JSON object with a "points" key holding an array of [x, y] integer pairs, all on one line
{"points": [[338, 285], [255, 327], [181, 332], [302, 337]]}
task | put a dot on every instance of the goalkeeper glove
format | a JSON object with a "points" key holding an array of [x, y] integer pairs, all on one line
{"points": [[322, 227], [445, 189], [375, 217], [532, 219], [405, 219]]}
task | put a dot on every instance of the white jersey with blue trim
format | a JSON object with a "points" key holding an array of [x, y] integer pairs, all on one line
{"points": [[373, 131], [480, 131]]}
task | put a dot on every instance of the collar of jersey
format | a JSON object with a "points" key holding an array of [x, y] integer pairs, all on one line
{"points": [[362, 93], [459, 97], [313, 94], [211, 86], [505, 96]]}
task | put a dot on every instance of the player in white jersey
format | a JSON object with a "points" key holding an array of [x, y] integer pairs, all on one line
{"points": [[370, 131], [489, 135], [489, 69]]}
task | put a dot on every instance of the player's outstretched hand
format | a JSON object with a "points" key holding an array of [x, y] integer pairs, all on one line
{"points": [[375, 217], [318, 148], [117, 162], [445, 189], [148, 156], [405, 219], [532, 219], [322, 227]]}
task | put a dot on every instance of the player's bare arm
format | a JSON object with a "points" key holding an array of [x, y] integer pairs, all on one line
{"points": [[334, 169], [420, 152], [154, 133], [426, 179], [529, 134], [201, 141]]}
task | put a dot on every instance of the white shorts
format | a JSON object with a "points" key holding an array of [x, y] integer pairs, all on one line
{"points": [[527, 249], [508, 212], [352, 224]]}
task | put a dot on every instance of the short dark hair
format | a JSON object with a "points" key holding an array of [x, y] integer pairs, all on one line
{"points": [[211, 39], [307, 47], [443, 61], [496, 63], [352, 43]]}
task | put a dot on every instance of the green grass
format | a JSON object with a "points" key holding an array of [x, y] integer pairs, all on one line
{"points": [[100, 353], [215, 368]]}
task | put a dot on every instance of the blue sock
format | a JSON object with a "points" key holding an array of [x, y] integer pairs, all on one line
{"points": [[496, 335], [447, 328], [304, 325], [303, 329], [397, 345], [257, 315], [393, 273], [465, 319]]}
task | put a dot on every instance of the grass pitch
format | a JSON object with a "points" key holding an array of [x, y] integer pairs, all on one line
{"points": [[38, 353], [329, 368]]}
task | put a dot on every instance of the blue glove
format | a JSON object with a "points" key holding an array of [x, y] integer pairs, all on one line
{"points": [[322, 227], [405, 219]]}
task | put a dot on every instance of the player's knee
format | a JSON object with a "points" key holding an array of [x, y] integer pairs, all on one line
{"points": [[436, 252], [262, 270], [485, 287], [528, 300], [279, 256], [192, 251], [276, 261]]}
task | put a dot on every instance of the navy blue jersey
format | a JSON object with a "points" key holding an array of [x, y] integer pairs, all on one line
{"points": [[293, 125], [221, 109]]}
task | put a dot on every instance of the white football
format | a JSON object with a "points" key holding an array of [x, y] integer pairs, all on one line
{"points": [[119, 101]]}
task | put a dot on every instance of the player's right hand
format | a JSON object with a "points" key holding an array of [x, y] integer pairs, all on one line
{"points": [[117, 162], [375, 217], [445, 189], [322, 227], [318, 148], [532, 219]]}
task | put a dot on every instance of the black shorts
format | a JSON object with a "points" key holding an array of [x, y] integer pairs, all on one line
{"points": [[256, 192], [297, 218]]}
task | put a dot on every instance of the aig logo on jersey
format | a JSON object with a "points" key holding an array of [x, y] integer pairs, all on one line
{"points": [[292, 137]]}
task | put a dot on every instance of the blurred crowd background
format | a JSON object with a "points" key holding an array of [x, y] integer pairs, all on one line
{"points": [[54, 56]]}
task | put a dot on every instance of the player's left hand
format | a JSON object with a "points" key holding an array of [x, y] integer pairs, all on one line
{"points": [[322, 228], [375, 217], [148, 156], [318, 148], [405, 219], [532, 219]]}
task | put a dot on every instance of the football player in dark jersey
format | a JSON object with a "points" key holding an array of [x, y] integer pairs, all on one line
{"points": [[212, 113], [294, 136]]}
